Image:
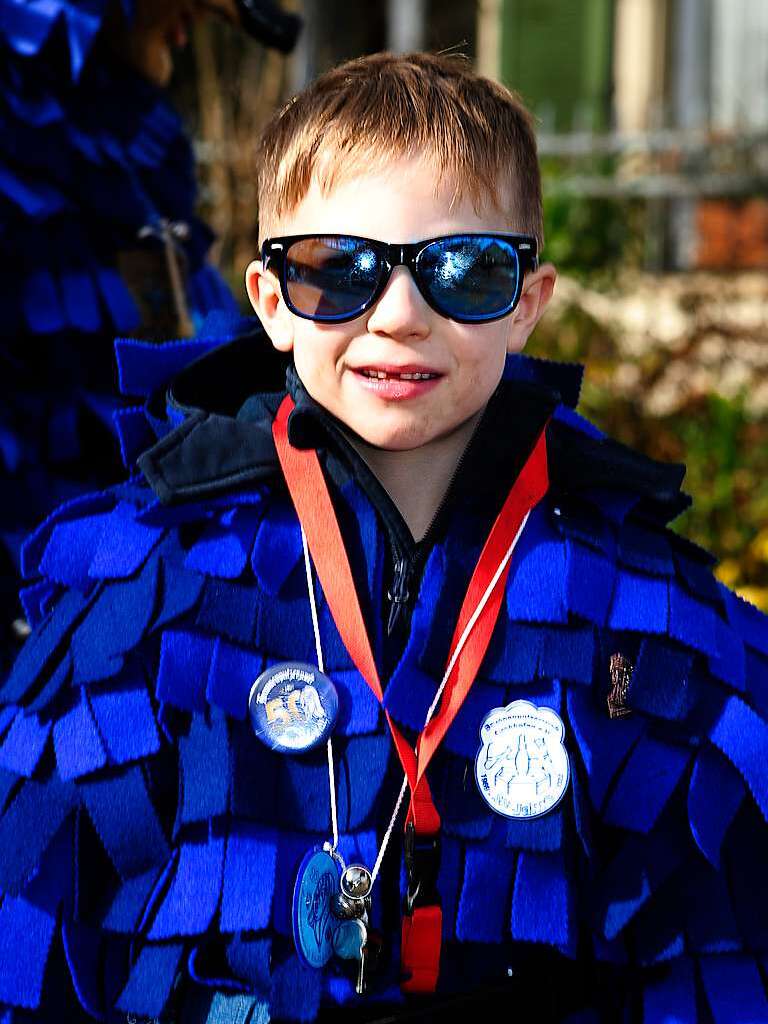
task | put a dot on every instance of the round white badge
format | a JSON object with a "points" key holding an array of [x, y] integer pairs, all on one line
{"points": [[522, 765]]}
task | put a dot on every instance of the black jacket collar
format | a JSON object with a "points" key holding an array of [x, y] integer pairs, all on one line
{"points": [[225, 442]]}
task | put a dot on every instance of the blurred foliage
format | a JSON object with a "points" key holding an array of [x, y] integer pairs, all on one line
{"points": [[591, 237], [725, 450]]}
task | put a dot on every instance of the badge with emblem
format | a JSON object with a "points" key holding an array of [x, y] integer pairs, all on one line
{"points": [[293, 707], [522, 766]]}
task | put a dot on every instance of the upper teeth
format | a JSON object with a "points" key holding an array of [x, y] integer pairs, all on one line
{"points": [[383, 375]]}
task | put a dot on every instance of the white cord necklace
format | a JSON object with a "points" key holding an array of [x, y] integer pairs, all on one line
{"points": [[331, 847]]}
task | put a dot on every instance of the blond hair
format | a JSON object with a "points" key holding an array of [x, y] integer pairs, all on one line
{"points": [[376, 108]]}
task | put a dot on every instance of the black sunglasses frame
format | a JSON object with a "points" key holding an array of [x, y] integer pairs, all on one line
{"points": [[391, 255]]}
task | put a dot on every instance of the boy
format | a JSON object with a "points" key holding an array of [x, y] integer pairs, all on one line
{"points": [[392, 695]]}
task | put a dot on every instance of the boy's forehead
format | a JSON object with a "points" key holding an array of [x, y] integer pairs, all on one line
{"points": [[387, 193]]}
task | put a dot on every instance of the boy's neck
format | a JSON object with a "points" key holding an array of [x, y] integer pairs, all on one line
{"points": [[417, 480]]}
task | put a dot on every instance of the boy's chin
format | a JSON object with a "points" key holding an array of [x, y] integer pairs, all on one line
{"points": [[387, 439]]}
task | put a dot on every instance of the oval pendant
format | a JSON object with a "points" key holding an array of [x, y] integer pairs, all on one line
{"points": [[317, 881]]}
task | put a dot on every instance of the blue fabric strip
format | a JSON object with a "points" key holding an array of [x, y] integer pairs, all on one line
{"points": [[462, 809], [696, 572], [77, 742], [568, 654], [134, 433], [28, 826], [448, 883], [692, 622], [742, 735], [193, 895], [36, 601], [249, 959], [285, 625], [603, 744], [151, 980], [657, 934], [463, 737], [710, 923], [640, 868], [295, 992], [359, 778], [233, 672], [757, 673], [709, 818], [26, 934], [70, 550], [646, 783], [513, 654], [613, 504], [124, 545], [750, 624], [40, 648], [185, 661], [83, 948], [24, 744], [255, 771], [542, 902], [179, 593], [36, 544], [249, 878], [335, 655], [230, 610], [734, 989], [291, 848], [127, 908], [277, 549], [662, 682], [408, 695], [302, 799], [125, 819], [126, 721], [144, 366], [730, 662], [646, 550], [57, 680], [115, 624], [640, 603], [225, 547], [671, 999], [359, 710], [536, 586], [204, 769], [544, 834], [485, 895]]}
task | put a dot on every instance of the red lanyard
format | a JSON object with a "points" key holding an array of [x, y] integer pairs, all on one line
{"points": [[309, 492]]}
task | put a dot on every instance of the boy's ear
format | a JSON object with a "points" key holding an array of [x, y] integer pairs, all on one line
{"points": [[264, 292], [537, 291]]}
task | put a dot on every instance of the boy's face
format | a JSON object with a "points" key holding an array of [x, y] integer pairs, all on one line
{"points": [[398, 203]]}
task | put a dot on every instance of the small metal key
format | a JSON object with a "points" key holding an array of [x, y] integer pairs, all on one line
{"points": [[369, 954]]}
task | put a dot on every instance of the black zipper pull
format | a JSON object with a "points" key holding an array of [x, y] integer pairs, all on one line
{"points": [[398, 593]]}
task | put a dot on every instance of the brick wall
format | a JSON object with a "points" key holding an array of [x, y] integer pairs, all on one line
{"points": [[732, 234]]}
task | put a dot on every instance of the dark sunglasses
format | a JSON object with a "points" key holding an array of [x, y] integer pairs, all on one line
{"points": [[471, 278]]}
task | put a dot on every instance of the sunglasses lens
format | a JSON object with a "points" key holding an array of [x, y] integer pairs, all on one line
{"points": [[330, 278], [471, 277]]}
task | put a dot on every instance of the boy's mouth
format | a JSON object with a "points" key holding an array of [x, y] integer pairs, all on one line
{"points": [[387, 373], [397, 383]]}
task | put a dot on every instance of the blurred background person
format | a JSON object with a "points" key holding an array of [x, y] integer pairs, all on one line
{"points": [[99, 234]]}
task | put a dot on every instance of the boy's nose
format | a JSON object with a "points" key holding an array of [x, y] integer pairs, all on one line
{"points": [[400, 312]]}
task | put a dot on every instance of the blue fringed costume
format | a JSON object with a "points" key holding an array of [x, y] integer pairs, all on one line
{"points": [[95, 167], [149, 842]]}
